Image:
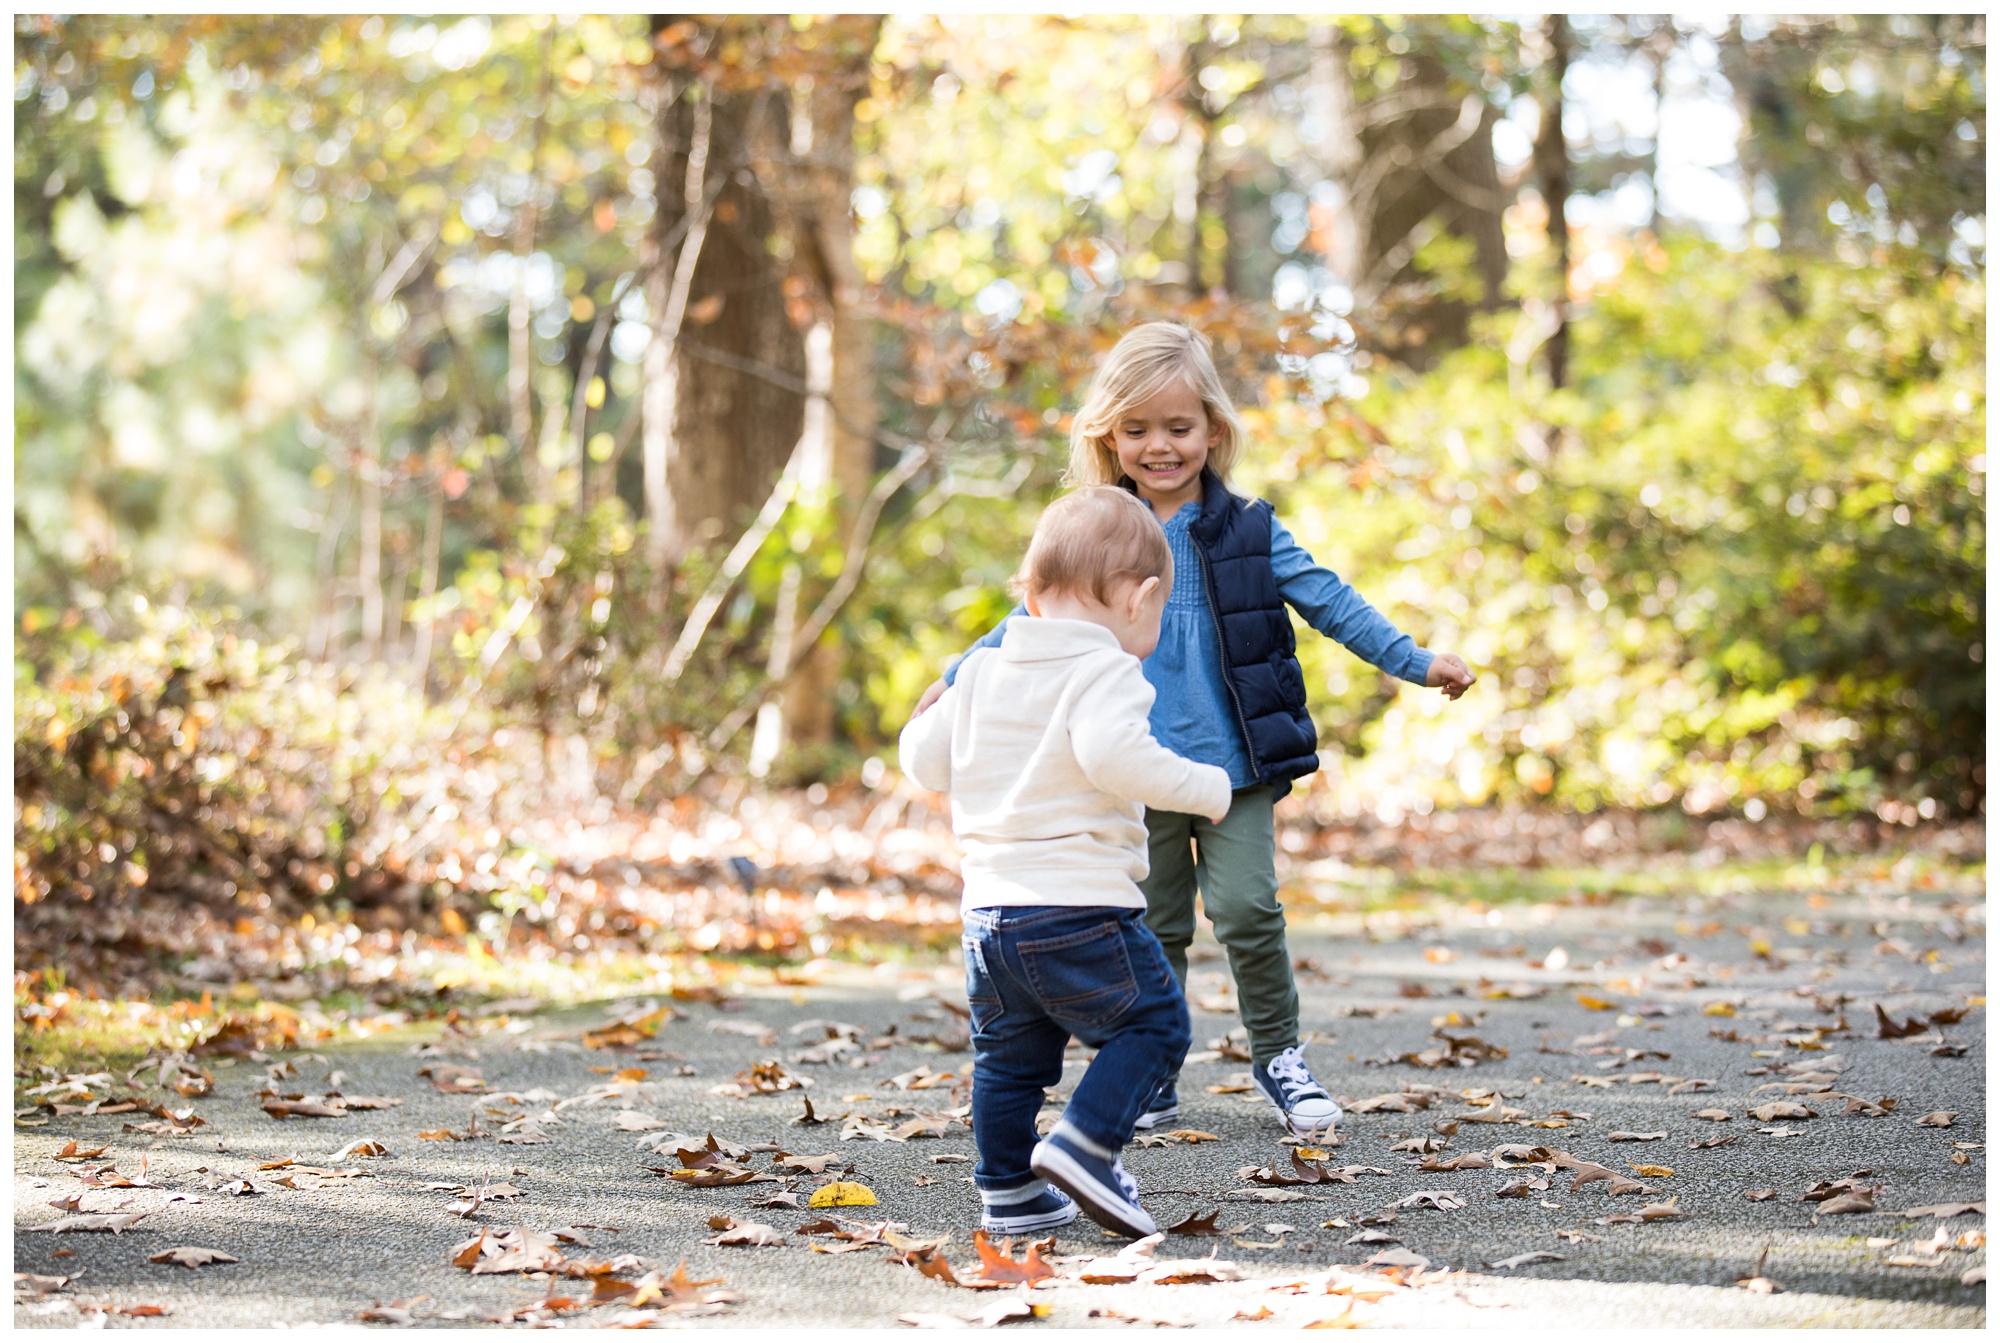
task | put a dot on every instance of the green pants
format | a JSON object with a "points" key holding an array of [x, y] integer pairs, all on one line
{"points": [[1234, 865]]}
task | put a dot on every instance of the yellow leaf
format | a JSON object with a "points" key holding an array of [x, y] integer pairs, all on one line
{"points": [[1654, 1172], [842, 1194], [1718, 1010], [1595, 1003]]}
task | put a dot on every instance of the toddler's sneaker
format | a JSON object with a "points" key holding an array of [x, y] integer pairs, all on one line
{"points": [[1302, 1103], [1095, 1178], [1164, 1108], [1032, 1207]]}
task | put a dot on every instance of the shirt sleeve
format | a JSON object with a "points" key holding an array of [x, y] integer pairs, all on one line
{"points": [[990, 639], [924, 749], [1116, 750], [1339, 612]]}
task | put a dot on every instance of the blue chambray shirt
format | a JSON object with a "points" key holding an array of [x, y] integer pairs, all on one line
{"points": [[1193, 715]]}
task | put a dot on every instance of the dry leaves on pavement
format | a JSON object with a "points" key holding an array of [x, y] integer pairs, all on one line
{"points": [[191, 1256]]}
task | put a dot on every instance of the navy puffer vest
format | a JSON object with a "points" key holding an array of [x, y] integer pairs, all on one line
{"points": [[1259, 651]]}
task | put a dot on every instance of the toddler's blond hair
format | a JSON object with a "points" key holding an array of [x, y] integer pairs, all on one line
{"points": [[1146, 360], [1088, 541]]}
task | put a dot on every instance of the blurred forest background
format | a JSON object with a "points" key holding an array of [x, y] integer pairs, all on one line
{"points": [[469, 470]]}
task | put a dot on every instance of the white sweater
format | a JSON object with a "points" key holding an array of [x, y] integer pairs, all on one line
{"points": [[1044, 747]]}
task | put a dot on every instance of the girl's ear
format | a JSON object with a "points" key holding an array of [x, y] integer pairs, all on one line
{"points": [[1034, 606]]}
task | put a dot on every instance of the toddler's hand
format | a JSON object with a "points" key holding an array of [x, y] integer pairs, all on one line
{"points": [[1449, 673], [932, 693]]}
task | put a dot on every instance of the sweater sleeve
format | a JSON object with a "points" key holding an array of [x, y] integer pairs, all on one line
{"points": [[1339, 612], [1116, 751], [924, 748], [990, 639]]}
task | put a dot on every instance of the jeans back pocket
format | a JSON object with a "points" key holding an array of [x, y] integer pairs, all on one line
{"points": [[982, 995], [1083, 977]]}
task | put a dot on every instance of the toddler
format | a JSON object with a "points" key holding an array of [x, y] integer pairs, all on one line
{"points": [[1043, 744]]}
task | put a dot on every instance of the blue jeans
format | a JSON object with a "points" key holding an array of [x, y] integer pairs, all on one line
{"points": [[1036, 975]]}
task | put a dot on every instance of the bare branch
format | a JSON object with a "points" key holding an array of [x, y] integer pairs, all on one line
{"points": [[915, 458], [732, 568]]}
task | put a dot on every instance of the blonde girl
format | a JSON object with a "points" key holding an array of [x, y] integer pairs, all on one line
{"points": [[1229, 692]]}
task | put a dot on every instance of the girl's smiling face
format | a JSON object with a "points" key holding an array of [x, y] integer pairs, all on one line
{"points": [[1162, 444]]}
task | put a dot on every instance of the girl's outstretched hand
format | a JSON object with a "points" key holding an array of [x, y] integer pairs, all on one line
{"points": [[1449, 673], [932, 693]]}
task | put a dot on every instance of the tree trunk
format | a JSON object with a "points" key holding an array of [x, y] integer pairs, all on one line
{"points": [[368, 576], [719, 435], [427, 585], [1552, 168], [824, 138], [1339, 230], [1408, 164], [520, 343]]}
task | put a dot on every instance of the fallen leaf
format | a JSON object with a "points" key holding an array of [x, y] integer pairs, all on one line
{"points": [[1595, 1003], [304, 1109], [1760, 1195], [744, 1233], [368, 1102], [1943, 1210], [1588, 1171], [997, 1266], [1526, 1188], [1714, 1116], [1529, 1257], [1939, 1119], [1620, 1135], [115, 1223], [1762, 1286], [1398, 1258], [842, 1194], [1887, 1029], [1444, 1200], [71, 1152], [454, 1078], [191, 1256], [361, 1147], [1653, 1172], [1397, 1102], [1781, 1110], [95, 1307], [391, 1312], [1195, 1135], [1202, 1224]]}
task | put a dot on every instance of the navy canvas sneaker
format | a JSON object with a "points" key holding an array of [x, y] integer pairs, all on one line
{"points": [[1164, 1108], [1301, 1102], [1033, 1207], [1096, 1179]]}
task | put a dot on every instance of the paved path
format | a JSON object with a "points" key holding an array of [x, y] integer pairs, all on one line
{"points": [[320, 1255]]}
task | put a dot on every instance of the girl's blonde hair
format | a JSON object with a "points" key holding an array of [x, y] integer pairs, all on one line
{"points": [[1144, 362]]}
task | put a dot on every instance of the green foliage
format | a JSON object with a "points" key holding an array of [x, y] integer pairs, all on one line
{"points": [[1743, 568]]}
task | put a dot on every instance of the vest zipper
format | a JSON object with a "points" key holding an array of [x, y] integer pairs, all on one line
{"points": [[1222, 647]]}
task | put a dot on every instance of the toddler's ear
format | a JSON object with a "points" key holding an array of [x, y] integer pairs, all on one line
{"points": [[1138, 596]]}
